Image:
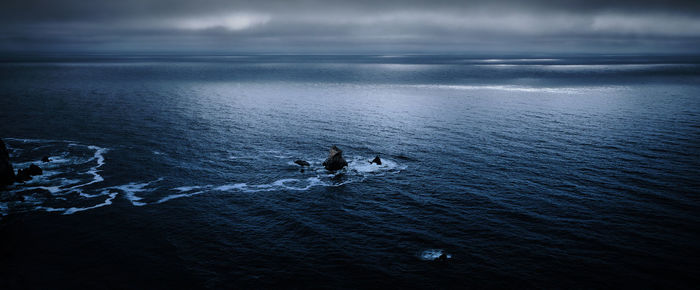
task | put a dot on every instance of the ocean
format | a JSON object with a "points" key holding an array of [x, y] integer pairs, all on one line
{"points": [[525, 171]]}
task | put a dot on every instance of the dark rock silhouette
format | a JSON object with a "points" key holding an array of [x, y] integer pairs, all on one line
{"points": [[335, 160], [7, 174], [34, 170], [376, 160], [27, 173], [23, 175], [302, 163], [442, 258], [45, 159]]}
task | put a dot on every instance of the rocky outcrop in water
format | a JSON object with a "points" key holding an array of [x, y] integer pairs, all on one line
{"points": [[7, 174], [45, 159], [335, 160], [22, 175], [34, 170], [27, 173], [376, 160]]}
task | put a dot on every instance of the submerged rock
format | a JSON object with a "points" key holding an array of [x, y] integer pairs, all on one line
{"points": [[45, 159], [302, 163], [376, 160], [335, 160], [7, 174]]}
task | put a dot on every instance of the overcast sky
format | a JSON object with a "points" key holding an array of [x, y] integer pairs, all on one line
{"points": [[390, 26]]}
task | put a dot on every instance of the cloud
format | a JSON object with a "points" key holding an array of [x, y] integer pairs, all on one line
{"points": [[311, 25], [233, 21]]}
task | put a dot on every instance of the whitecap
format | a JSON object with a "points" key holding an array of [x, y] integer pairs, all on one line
{"points": [[432, 254], [363, 165]]}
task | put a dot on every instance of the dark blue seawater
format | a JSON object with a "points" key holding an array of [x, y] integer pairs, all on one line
{"points": [[177, 171]]}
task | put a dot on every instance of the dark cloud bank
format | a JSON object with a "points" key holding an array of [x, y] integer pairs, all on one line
{"points": [[217, 26]]}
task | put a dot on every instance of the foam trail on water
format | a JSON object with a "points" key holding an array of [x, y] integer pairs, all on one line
{"points": [[51, 189], [358, 169], [54, 190], [100, 159], [174, 196], [130, 190], [63, 158], [107, 201], [313, 181], [231, 186], [87, 195], [187, 188], [49, 209], [276, 185]]}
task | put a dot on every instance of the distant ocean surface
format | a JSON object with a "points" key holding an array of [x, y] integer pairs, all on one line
{"points": [[177, 171]]}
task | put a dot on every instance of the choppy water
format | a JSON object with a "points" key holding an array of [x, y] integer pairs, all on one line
{"points": [[527, 172]]}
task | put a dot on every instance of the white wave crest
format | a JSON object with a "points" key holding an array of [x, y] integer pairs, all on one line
{"points": [[107, 201], [363, 165], [130, 190]]}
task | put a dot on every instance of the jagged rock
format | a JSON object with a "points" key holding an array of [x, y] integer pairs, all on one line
{"points": [[34, 170], [27, 173], [376, 160], [335, 160], [302, 163], [7, 174], [45, 159]]}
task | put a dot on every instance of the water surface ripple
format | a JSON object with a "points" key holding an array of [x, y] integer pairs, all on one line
{"points": [[564, 172]]}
